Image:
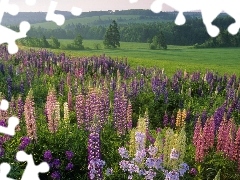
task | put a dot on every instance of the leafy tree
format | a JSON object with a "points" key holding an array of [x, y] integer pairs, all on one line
{"points": [[55, 43], [44, 42], [159, 41], [78, 42], [112, 36], [162, 41]]}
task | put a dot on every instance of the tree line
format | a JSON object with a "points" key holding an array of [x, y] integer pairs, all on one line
{"points": [[193, 32]]}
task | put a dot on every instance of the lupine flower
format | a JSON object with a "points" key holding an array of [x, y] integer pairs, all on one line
{"points": [[165, 119], [69, 166], [25, 141], [129, 116], [237, 148], [56, 163], [198, 128], [193, 171], [66, 112], [53, 111], [2, 151], [69, 155], [172, 175], [20, 107], [29, 112], [95, 164], [55, 175], [80, 106], [47, 156], [123, 152]]}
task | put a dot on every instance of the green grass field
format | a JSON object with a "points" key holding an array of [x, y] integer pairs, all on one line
{"points": [[221, 60]]}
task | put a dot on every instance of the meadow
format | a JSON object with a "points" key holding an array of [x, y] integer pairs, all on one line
{"points": [[120, 115], [221, 60]]}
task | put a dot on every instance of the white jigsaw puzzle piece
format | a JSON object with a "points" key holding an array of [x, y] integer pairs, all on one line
{"points": [[4, 105], [9, 8], [58, 18], [31, 171], [209, 10], [4, 170], [10, 130], [9, 36]]}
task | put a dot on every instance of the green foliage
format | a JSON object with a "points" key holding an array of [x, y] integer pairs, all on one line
{"points": [[55, 44], [112, 36], [78, 42], [97, 46], [159, 41], [44, 42]]}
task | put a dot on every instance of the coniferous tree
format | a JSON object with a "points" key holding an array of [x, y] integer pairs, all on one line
{"points": [[112, 36]]}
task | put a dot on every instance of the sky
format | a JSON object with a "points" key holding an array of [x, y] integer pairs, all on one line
{"points": [[85, 5]]}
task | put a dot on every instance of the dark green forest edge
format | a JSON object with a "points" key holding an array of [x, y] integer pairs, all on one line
{"points": [[192, 33]]}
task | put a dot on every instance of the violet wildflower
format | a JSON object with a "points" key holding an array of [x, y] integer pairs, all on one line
{"points": [[55, 175], [56, 163], [69, 155], [193, 171], [172, 175], [69, 166], [25, 141], [2, 151], [47, 156], [123, 152]]}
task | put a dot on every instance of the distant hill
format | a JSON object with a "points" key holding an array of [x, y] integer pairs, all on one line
{"points": [[94, 17]]}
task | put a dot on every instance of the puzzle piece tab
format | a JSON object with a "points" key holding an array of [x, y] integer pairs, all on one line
{"points": [[31, 171], [9, 36], [9, 8], [4, 105], [4, 170], [58, 18], [12, 124]]}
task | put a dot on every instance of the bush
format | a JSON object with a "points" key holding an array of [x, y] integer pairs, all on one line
{"points": [[152, 46]]}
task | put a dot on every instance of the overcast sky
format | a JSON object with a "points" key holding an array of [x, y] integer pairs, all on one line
{"points": [[85, 5]]}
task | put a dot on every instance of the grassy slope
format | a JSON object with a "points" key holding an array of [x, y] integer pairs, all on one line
{"points": [[92, 21], [222, 60]]}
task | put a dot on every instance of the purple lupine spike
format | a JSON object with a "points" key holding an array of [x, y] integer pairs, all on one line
{"points": [[95, 164], [204, 116], [173, 121], [80, 106], [120, 111], [91, 107], [218, 116], [165, 119]]}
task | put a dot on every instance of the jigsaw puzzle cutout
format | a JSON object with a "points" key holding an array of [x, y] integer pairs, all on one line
{"points": [[209, 10], [7, 35], [58, 18], [12, 121], [31, 171], [4, 170]]}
